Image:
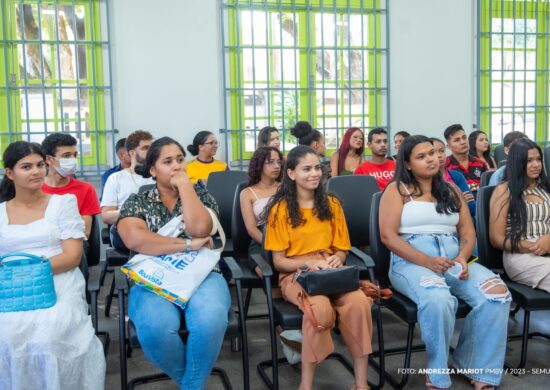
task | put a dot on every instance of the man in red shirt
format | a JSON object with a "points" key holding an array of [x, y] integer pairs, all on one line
{"points": [[379, 166], [61, 154], [460, 160]]}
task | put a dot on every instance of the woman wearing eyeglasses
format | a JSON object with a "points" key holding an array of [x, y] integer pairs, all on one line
{"points": [[204, 147], [264, 178]]}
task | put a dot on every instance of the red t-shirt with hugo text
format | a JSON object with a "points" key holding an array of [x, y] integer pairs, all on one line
{"points": [[86, 197], [383, 173]]}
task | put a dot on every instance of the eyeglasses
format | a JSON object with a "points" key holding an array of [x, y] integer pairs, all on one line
{"points": [[215, 143], [274, 162]]}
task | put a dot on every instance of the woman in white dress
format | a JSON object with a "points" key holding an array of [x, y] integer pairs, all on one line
{"points": [[54, 348]]}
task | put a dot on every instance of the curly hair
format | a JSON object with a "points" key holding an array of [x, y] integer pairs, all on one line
{"points": [[135, 137], [289, 193], [256, 165]]}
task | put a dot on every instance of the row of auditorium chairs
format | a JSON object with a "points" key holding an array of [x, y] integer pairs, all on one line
{"points": [[360, 199]]}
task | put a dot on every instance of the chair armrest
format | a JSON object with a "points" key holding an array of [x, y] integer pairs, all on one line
{"points": [[362, 256], [105, 236], [260, 262], [234, 268], [94, 278], [121, 283]]}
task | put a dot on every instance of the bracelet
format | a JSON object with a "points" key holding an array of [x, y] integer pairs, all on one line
{"points": [[187, 245]]}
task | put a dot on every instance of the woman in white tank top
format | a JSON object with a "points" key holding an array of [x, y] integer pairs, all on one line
{"points": [[265, 172], [428, 229]]}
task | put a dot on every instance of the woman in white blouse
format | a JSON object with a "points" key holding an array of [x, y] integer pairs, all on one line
{"points": [[56, 347]]}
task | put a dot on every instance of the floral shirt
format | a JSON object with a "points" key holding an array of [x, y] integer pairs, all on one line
{"points": [[149, 207]]}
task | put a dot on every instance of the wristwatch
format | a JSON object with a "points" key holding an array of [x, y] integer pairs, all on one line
{"points": [[187, 245]]}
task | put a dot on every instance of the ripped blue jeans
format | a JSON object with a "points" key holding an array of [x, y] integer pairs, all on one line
{"points": [[482, 343]]}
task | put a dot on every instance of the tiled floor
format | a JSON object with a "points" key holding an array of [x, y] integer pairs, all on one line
{"points": [[329, 374]]}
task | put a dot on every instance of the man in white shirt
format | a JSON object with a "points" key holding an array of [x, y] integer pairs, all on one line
{"points": [[122, 184]]}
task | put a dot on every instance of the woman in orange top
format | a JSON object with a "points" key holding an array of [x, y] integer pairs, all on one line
{"points": [[307, 227]]}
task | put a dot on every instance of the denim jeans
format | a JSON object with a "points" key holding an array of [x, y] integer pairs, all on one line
{"points": [[157, 322], [482, 343]]}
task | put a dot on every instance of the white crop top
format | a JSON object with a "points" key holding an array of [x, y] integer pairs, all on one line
{"points": [[420, 217]]}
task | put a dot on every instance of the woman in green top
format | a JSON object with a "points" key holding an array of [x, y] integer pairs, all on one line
{"points": [[350, 154]]}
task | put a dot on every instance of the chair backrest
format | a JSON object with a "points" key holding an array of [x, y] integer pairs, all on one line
{"points": [[378, 251], [239, 235], [499, 155], [546, 157], [222, 186], [146, 187], [488, 255], [485, 177], [356, 193], [94, 241]]}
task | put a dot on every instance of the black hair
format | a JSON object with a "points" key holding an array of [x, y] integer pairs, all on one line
{"points": [[53, 141], [200, 139], [256, 165], [288, 192], [435, 139], [511, 137], [120, 144], [449, 131], [264, 135], [447, 200], [153, 153], [472, 139], [377, 130], [13, 153], [402, 133], [305, 134], [515, 175]]}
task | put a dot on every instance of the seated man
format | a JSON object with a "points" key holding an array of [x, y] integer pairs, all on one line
{"points": [[122, 154], [380, 167], [460, 160], [507, 141], [60, 151], [122, 184]]}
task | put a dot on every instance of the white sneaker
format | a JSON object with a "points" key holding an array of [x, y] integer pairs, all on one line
{"points": [[291, 340]]}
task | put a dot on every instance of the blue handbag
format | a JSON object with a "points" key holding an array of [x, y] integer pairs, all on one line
{"points": [[26, 283]]}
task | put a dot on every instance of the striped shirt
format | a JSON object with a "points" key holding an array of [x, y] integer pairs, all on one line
{"points": [[538, 214]]}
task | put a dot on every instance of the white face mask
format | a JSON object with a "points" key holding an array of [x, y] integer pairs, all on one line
{"points": [[67, 166]]}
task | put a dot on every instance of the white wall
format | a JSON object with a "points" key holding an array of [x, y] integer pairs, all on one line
{"points": [[167, 70], [167, 66], [432, 65]]}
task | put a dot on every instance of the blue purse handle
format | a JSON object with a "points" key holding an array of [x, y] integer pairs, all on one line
{"points": [[22, 256]]}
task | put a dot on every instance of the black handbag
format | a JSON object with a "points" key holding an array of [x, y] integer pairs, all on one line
{"points": [[329, 281]]}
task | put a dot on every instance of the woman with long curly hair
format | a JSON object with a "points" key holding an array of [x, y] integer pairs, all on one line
{"points": [[350, 154], [429, 231], [520, 216], [264, 178], [307, 228]]}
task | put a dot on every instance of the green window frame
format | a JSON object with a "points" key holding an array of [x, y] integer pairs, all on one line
{"points": [[55, 75], [322, 61], [513, 66]]}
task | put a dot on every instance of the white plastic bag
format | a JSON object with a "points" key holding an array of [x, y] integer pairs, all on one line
{"points": [[175, 276]]}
